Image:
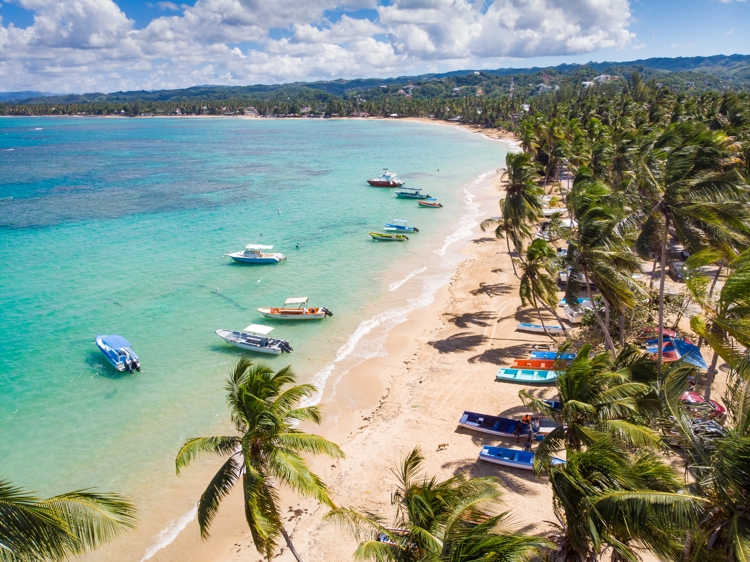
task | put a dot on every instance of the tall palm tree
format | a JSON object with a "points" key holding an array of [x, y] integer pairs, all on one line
{"points": [[438, 520], [503, 228], [58, 528], [598, 399], [522, 205], [538, 285], [265, 452]]}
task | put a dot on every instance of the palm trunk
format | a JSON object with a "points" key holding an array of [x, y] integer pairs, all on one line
{"points": [[607, 338], [606, 312], [557, 317], [539, 312], [660, 341], [290, 545], [622, 329], [713, 285], [710, 377], [507, 243], [653, 270]]}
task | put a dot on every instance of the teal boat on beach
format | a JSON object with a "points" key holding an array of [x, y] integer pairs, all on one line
{"points": [[526, 376]]}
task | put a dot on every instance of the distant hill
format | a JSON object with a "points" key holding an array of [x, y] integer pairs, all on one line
{"points": [[681, 73]]}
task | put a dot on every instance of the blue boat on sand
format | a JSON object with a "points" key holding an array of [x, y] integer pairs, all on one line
{"points": [[505, 427], [118, 352], [512, 457], [526, 376], [551, 355]]}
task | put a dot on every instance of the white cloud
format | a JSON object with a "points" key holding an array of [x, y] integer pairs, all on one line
{"points": [[84, 45]]}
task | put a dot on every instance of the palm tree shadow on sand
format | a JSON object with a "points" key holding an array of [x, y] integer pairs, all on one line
{"points": [[492, 290], [480, 318], [498, 356], [463, 341]]}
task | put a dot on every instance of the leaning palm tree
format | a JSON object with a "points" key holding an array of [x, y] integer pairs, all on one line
{"points": [[265, 452], [538, 285], [503, 228], [438, 520], [598, 399], [522, 205], [58, 528]]}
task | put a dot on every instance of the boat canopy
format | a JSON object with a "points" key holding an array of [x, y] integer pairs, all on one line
{"points": [[115, 341], [258, 247], [296, 300], [404, 188], [403, 222], [258, 329]]}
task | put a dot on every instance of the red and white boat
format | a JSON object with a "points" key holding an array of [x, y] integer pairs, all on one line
{"points": [[387, 179]]}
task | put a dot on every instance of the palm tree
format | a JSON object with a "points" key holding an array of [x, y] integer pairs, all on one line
{"points": [[718, 470], [521, 205], [598, 399], [58, 528], [503, 228], [538, 285], [265, 452], [438, 520]]}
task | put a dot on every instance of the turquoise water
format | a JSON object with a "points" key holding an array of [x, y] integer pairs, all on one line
{"points": [[120, 226]]}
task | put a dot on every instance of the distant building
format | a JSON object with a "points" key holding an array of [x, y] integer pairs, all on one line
{"points": [[393, 115], [476, 72], [602, 78], [456, 90], [587, 84], [525, 107], [249, 111]]}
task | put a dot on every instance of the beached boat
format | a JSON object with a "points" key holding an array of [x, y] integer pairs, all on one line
{"points": [[429, 203], [386, 179], [388, 236], [576, 316], [580, 301], [549, 211], [255, 338], [538, 328], [118, 352], [299, 312], [526, 376], [254, 254], [399, 225], [551, 354], [512, 457], [411, 193], [504, 427], [539, 364]]}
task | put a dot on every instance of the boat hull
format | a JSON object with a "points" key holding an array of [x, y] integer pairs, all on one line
{"points": [[539, 329], [291, 316], [526, 376], [231, 337], [257, 261], [404, 195], [512, 457], [388, 237], [380, 183], [428, 205]]}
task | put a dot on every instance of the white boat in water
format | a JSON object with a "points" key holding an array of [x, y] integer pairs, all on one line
{"points": [[299, 312], [399, 225], [255, 338], [254, 254]]}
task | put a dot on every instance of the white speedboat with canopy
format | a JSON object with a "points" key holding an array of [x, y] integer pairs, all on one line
{"points": [[255, 338], [299, 312], [254, 254]]}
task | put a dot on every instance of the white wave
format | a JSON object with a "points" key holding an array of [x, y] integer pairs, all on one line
{"points": [[468, 221], [413, 274], [168, 535], [8, 149], [38, 129]]}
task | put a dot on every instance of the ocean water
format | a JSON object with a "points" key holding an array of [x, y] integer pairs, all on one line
{"points": [[120, 226]]}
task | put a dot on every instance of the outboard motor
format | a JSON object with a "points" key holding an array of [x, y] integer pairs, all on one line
{"points": [[325, 311], [284, 346], [416, 229], [137, 366], [128, 366]]}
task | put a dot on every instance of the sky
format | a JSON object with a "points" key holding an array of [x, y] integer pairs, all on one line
{"points": [[111, 45]]}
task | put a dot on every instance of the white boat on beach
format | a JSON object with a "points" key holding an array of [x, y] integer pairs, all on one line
{"points": [[255, 338], [538, 328], [549, 211], [575, 316], [254, 254], [299, 312]]}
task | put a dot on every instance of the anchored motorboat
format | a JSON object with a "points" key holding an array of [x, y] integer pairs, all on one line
{"points": [[431, 203], [255, 338], [388, 237], [299, 312], [399, 225], [118, 352], [411, 193], [254, 254], [387, 179]]}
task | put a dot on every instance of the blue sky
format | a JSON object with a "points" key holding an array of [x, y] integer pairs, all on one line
{"points": [[109, 45]]}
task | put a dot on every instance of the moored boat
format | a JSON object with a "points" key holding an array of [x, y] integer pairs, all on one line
{"points": [[504, 427], [538, 328], [429, 203], [526, 376], [388, 236], [255, 338], [299, 312], [411, 193], [512, 457], [386, 179], [399, 225], [254, 254], [118, 352]]}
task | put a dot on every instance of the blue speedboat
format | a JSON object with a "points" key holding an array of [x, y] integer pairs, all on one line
{"points": [[399, 225], [118, 352], [512, 457]]}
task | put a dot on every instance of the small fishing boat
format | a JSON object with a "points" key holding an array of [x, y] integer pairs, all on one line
{"points": [[299, 312], [512, 457], [538, 328], [576, 316], [254, 254], [552, 354], [118, 352], [399, 225], [386, 179], [255, 338], [504, 427], [429, 203], [411, 193], [388, 236], [539, 364], [526, 376], [580, 301], [549, 211]]}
